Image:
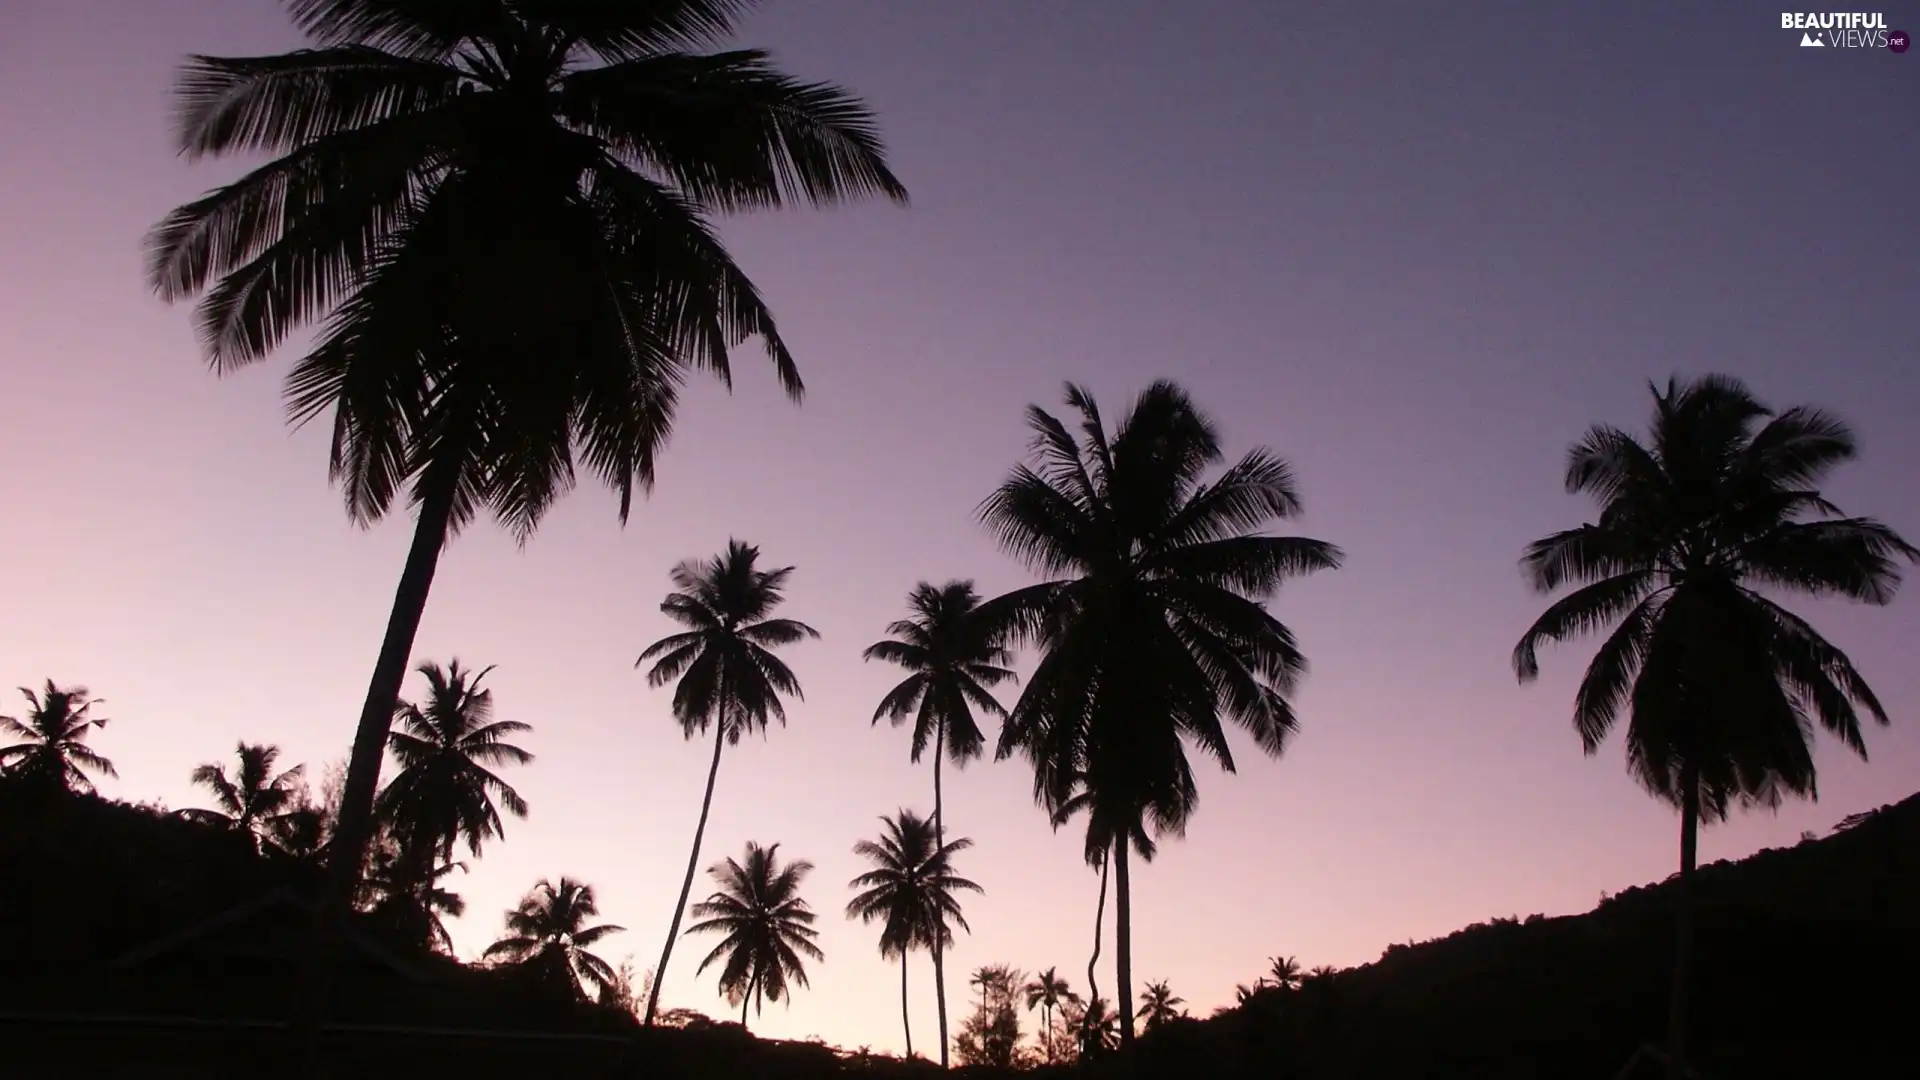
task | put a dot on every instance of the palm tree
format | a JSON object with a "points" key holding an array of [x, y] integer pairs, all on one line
{"points": [[1284, 973], [729, 678], [1159, 1005], [768, 927], [53, 754], [444, 791], [952, 665], [1152, 625], [413, 902], [549, 929], [1047, 992], [500, 211], [911, 890], [1095, 1022], [254, 801], [1721, 684]]}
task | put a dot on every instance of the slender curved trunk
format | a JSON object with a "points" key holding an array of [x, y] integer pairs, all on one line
{"points": [[906, 1021], [1683, 937], [1122, 942], [1093, 984], [746, 999], [348, 846], [686, 886], [939, 841]]}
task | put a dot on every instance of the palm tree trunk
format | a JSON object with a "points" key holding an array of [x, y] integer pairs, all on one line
{"points": [[906, 1022], [686, 886], [1683, 938], [1122, 941], [746, 999], [354, 825], [939, 841], [1093, 984]]}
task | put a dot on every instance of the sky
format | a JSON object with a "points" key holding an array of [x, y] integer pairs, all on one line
{"points": [[1415, 249]]}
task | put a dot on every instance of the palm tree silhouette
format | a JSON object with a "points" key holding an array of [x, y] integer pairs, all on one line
{"points": [[1721, 684], [53, 754], [1159, 1004], [1284, 973], [911, 890], [1047, 992], [412, 902], [549, 930], [444, 791], [254, 800], [768, 927], [953, 664], [500, 210], [729, 678], [1152, 626], [1096, 1024]]}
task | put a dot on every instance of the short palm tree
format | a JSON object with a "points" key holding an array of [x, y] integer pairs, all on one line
{"points": [[549, 930], [768, 927], [911, 890], [1047, 992], [1159, 1004], [1152, 627], [729, 678], [52, 753], [500, 211], [413, 902], [254, 801], [1096, 1022], [953, 664], [1284, 972], [444, 791], [1699, 527]]}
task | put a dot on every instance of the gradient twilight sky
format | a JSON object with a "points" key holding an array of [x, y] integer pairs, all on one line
{"points": [[1414, 250]]}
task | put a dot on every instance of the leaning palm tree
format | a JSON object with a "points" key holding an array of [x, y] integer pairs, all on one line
{"points": [[1047, 992], [499, 211], [729, 678], [52, 753], [549, 930], [254, 801], [444, 791], [952, 664], [1699, 528], [1152, 626], [768, 927], [1159, 1004], [910, 889]]}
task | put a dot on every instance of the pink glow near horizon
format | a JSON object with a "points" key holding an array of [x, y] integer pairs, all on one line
{"points": [[1417, 270]]}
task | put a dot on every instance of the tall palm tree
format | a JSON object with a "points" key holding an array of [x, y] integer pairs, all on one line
{"points": [[52, 752], [444, 791], [1720, 683], [549, 929], [1047, 991], [255, 800], [500, 211], [1284, 972], [1159, 1004], [1152, 626], [729, 678], [952, 664], [911, 889], [768, 927]]}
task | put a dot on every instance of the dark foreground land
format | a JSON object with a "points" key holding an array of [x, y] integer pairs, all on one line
{"points": [[142, 945]]}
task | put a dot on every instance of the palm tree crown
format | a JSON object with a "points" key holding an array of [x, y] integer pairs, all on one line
{"points": [[53, 749], [1284, 972], [444, 790], [1159, 1004], [768, 928], [549, 929], [1047, 992], [254, 800], [911, 887], [1153, 624], [952, 662]]}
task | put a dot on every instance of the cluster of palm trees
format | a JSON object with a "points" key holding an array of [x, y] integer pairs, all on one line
{"points": [[499, 211]]}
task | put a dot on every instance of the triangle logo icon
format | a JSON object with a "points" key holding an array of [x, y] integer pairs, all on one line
{"points": [[1808, 40]]}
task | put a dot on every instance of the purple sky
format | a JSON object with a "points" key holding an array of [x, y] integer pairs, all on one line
{"points": [[1415, 253]]}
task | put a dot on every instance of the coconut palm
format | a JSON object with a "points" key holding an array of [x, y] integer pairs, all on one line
{"points": [[1159, 1004], [1047, 991], [1152, 625], [444, 791], [1700, 527], [549, 930], [1095, 1020], [1284, 972], [52, 753], [255, 800], [729, 678], [910, 889], [413, 902], [768, 927], [953, 664], [499, 209]]}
